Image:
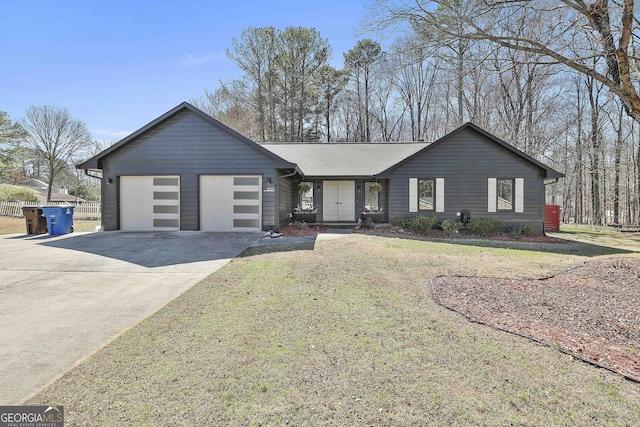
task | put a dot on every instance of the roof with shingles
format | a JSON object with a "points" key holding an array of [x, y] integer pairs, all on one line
{"points": [[95, 163], [344, 159]]}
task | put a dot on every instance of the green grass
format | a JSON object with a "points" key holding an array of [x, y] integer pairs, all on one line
{"points": [[12, 225], [346, 334], [600, 236]]}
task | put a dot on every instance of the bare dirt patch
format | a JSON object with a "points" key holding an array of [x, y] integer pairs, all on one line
{"points": [[591, 312]]}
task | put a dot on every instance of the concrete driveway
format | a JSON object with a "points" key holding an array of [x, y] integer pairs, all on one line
{"points": [[63, 297]]}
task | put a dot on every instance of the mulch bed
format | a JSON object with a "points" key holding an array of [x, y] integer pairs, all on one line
{"points": [[438, 234], [591, 312], [301, 230]]}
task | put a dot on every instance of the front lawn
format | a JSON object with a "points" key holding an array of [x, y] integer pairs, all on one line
{"points": [[346, 334]]}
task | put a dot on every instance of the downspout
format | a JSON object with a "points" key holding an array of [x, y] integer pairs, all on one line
{"points": [[554, 181], [295, 171]]}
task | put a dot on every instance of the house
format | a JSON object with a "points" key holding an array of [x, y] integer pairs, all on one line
{"points": [[57, 194], [187, 171]]}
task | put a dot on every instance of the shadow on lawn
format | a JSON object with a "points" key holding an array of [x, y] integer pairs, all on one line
{"points": [[571, 247]]}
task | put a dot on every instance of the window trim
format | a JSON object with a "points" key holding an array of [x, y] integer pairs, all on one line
{"points": [[517, 194]]}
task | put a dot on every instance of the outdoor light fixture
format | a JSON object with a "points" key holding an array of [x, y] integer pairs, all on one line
{"points": [[359, 188], [109, 180]]}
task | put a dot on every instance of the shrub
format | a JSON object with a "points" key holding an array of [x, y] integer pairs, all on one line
{"points": [[366, 224], [418, 224], [401, 222], [9, 194], [450, 227], [521, 231], [484, 226]]}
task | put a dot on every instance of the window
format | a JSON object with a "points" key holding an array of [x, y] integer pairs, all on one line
{"points": [[306, 197], [426, 196], [505, 194], [371, 196]]}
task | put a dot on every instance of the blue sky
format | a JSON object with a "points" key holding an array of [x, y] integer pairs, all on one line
{"points": [[117, 65]]}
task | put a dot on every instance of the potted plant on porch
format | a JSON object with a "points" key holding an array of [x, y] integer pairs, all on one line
{"points": [[375, 187], [303, 187]]}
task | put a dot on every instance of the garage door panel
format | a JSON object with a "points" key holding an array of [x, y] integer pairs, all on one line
{"points": [[230, 203], [149, 203]]}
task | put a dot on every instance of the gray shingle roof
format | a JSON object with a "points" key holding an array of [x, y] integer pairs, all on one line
{"points": [[344, 159]]}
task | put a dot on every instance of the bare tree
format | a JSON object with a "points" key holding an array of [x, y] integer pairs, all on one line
{"points": [[56, 136], [415, 81], [568, 24]]}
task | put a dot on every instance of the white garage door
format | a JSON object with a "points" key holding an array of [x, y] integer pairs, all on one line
{"points": [[230, 203], [149, 203]]}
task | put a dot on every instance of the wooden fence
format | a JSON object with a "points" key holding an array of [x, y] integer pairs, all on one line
{"points": [[81, 211]]}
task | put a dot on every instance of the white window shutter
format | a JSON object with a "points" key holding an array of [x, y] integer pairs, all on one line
{"points": [[439, 194], [413, 194], [519, 195], [492, 196]]}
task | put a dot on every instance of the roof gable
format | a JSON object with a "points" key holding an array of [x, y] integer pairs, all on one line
{"points": [[548, 172], [95, 163]]}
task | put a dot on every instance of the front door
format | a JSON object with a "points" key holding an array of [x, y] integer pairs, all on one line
{"points": [[339, 202]]}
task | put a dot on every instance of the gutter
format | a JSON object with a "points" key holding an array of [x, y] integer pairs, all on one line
{"points": [[295, 171], [86, 172]]}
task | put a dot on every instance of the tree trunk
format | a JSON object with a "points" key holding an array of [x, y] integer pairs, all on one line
{"points": [[460, 66], [578, 166], [595, 152], [616, 183]]}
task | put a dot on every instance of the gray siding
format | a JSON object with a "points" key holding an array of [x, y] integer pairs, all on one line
{"points": [[188, 146], [285, 191], [466, 160]]}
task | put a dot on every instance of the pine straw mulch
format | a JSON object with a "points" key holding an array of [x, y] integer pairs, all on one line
{"points": [[591, 312]]}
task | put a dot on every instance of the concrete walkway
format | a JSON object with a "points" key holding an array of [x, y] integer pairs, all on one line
{"points": [[63, 297]]}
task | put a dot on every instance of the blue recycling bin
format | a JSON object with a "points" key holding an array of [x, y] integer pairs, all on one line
{"points": [[59, 219]]}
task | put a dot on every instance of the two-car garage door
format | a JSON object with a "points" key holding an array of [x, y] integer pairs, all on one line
{"points": [[226, 203]]}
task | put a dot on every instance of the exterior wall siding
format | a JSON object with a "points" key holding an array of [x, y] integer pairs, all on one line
{"points": [[466, 160], [285, 190], [188, 146]]}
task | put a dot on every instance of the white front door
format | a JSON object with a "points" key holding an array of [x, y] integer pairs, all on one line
{"points": [[339, 201]]}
